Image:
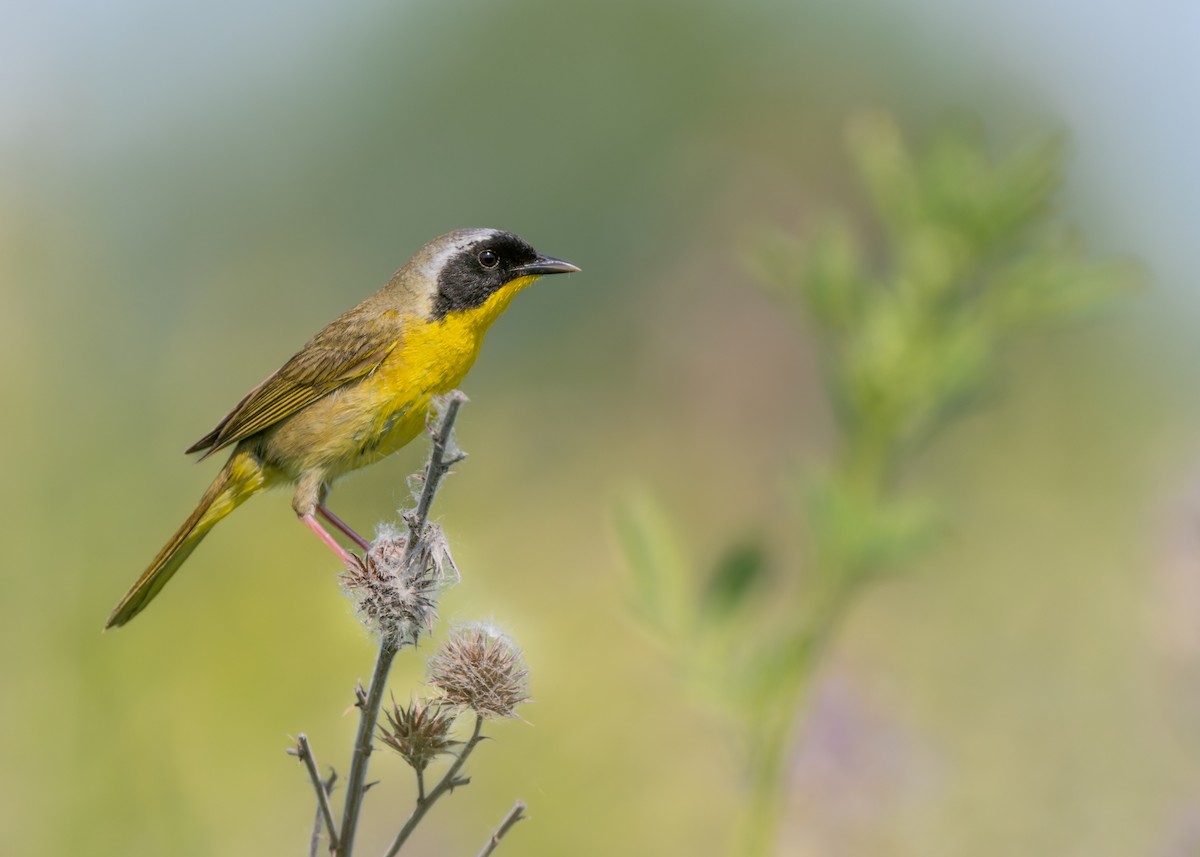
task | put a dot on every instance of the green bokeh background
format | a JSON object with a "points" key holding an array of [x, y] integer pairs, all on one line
{"points": [[187, 196]]}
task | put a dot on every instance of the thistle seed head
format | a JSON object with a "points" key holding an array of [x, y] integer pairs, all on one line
{"points": [[419, 732], [396, 593], [481, 669]]}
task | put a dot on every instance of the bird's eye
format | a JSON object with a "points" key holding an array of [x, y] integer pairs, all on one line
{"points": [[488, 259]]}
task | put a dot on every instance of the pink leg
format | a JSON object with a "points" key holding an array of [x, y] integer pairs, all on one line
{"points": [[323, 534], [346, 529]]}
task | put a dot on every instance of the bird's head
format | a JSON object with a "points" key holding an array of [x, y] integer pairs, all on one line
{"points": [[476, 270]]}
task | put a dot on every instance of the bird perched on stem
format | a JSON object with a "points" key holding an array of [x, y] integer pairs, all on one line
{"points": [[357, 391]]}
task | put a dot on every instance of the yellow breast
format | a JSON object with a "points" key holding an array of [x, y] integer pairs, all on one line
{"points": [[387, 409]]}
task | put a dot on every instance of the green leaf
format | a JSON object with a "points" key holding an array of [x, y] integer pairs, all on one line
{"points": [[654, 558], [886, 170], [1054, 281], [737, 575], [864, 534]]}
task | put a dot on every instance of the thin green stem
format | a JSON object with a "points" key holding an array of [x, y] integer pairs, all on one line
{"points": [[773, 725], [775, 722], [866, 464], [447, 783]]}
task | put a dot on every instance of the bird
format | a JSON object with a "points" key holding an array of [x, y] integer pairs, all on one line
{"points": [[357, 392]]}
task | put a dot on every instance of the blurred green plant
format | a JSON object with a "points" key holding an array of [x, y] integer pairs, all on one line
{"points": [[965, 257]]}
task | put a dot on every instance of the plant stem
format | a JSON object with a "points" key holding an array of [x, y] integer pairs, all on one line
{"points": [[369, 715], [776, 721], [324, 811], [437, 467], [514, 815], [774, 725], [445, 784], [865, 463]]}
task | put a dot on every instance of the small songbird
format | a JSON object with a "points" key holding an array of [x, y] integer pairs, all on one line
{"points": [[357, 391]]}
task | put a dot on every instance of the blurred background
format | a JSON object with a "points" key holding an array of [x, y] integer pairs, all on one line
{"points": [[188, 193]]}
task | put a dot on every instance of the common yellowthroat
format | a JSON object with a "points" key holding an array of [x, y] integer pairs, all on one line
{"points": [[357, 391]]}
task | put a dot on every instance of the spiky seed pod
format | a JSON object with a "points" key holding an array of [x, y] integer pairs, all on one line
{"points": [[481, 669], [419, 732], [397, 597]]}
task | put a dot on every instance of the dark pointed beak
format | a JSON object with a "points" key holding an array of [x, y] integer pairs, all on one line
{"points": [[546, 265]]}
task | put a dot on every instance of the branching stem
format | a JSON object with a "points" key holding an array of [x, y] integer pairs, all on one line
{"points": [[447, 783], [437, 467], [324, 811]]}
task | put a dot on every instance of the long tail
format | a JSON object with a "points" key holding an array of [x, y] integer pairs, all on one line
{"points": [[241, 477]]}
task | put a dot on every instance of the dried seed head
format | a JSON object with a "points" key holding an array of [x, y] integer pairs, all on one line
{"points": [[396, 594], [480, 668], [419, 732]]}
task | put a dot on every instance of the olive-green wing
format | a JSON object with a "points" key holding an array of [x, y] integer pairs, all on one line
{"points": [[348, 349]]}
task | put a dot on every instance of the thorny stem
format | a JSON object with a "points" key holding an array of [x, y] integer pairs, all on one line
{"points": [[329, 783], [324, 811], [437, 467], [368, 716], [314, 844], [369, 705], [445, 784], [514, 815]]}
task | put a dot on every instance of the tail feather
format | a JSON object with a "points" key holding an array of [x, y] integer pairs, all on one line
{"points": [[226, 493]]}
